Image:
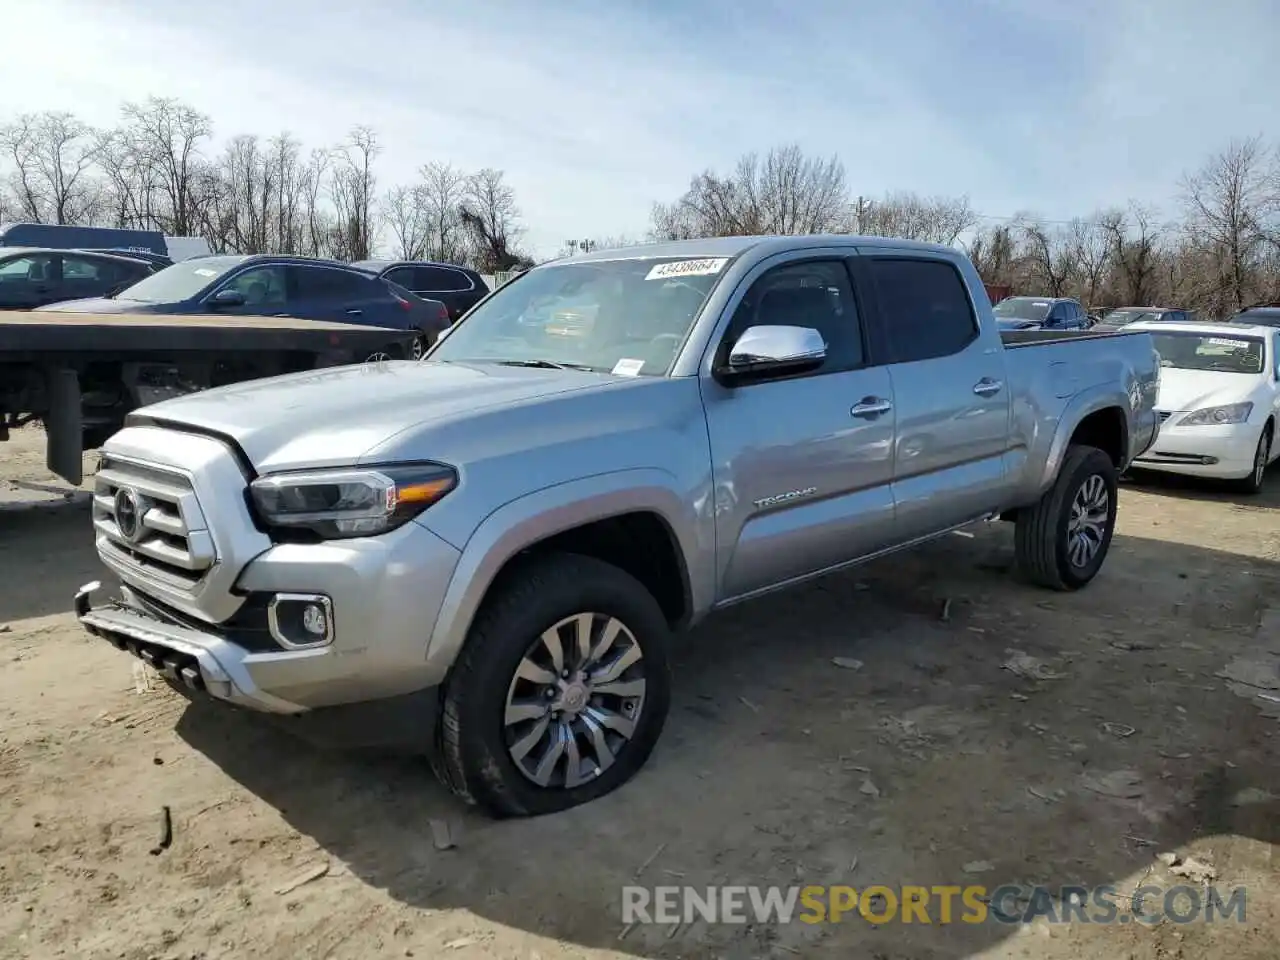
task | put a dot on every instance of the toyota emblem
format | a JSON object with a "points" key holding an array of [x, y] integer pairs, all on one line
{"points": [[128, 513]]}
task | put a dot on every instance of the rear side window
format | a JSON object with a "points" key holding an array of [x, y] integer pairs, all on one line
{"points": [[319, 283], [925, 308], [403, 276], [440, 280]]}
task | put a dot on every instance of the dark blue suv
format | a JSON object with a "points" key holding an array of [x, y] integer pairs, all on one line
{"points": [[277, 286]]}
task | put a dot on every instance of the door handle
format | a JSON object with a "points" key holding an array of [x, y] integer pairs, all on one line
{"points": [[355, 313], [986, 387], [870, 408]]}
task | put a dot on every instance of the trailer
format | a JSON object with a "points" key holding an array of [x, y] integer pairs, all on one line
{"points": [[81, 374]]}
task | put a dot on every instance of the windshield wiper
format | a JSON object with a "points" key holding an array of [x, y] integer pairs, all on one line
{"points": [[543, 364]]}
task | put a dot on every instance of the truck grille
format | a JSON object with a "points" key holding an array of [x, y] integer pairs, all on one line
{"points": [[147, 519]]}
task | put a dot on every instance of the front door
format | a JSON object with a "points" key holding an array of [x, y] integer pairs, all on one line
{"points": [[802, 465], [949, 389]]}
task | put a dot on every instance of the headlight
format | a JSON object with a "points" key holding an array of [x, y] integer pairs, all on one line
{"points": [[354, 502], [1214, 416]]}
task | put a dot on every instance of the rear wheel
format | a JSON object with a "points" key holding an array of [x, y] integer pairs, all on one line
{"points": [[421, 344], [1062, 541], [1252, 484], [560, 692]]}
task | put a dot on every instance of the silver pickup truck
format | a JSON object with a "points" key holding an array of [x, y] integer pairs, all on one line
{"points": [[489, 552]]}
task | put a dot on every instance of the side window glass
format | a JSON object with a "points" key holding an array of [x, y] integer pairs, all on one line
{"points": [[35, 269], [74, 268], [260, 285], [319, 283], [925, 308], [402, 276], [441, 280], [816, 294]]}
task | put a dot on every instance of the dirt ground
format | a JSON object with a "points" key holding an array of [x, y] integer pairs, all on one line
{"points": [[935, 762]]}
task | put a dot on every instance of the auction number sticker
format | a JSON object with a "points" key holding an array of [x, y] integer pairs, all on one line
{"points": [[1228, 342], [205, 272], [687, 268]]}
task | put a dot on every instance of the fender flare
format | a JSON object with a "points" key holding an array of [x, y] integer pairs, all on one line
{"points": [[1088, 401], [530, 519]]}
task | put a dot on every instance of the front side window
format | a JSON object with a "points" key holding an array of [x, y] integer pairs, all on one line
{"points": [[35, 269], [260, 286], [925, 307], [1223, 354], [814, 294], [629, 316]]}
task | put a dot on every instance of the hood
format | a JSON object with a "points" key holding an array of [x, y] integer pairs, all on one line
{"points": [[331, 417], [1187, 390], [101, 305]]}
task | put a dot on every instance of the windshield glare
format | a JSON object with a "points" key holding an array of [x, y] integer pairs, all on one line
{"points": [[624, 316], [182, 281], [1023, 308], [1189, 351]]}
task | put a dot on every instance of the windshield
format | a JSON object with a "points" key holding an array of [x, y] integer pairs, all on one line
{"points": [[182, 281], [1193, 351], [1023, 308], [628, 317]]}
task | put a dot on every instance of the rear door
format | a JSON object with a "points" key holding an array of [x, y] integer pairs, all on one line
{"points": [[948, 381], [339, 296], [803, 463]]}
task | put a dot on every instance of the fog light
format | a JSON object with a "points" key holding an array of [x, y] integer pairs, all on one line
{"points": [[300, 620]]}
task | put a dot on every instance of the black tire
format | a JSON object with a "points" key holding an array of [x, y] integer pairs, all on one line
{"points": [[421, 344], [1252, 484], [471, 755], [1042, 541]]}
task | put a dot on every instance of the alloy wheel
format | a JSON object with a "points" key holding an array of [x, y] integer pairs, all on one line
{"points": [[1087, 523], [575, 699]]}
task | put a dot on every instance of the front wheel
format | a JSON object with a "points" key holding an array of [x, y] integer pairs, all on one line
{"points": [[560, 692], [1062, 541], [1252, 484]]}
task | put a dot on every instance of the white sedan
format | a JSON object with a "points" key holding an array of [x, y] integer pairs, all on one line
{"points": [[1219, 400]]}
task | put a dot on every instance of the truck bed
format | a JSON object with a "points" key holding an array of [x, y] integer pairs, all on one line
{"points": [[24, 333]]}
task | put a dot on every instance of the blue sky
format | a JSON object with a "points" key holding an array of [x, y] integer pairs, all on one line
{"points": [[596, 109]]}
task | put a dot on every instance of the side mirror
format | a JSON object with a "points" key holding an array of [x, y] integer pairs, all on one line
{"points": [[763, 351], [227, 298]]}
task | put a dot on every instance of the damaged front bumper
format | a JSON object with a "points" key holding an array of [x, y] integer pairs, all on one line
{"points": [[200, 662]]}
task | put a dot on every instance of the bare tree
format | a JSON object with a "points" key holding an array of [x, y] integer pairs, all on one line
{"points": [[53, 155], [405, 215], [490, 215], [1232, 207], [352, 187], [785, 193], [1091, 251], [1135, 239], [912, 217], [1051, 255], [168, 136], [994, 252], [443, 190]]}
